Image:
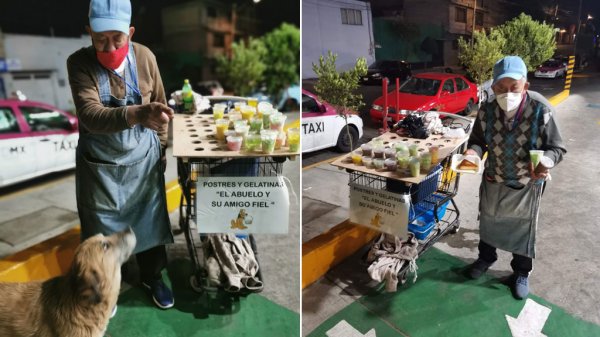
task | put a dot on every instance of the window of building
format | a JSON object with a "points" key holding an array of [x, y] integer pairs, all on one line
{"points": [[8, 121], [219, 40], [479, 19], [40, 119], [461, 14], [351, 16]]}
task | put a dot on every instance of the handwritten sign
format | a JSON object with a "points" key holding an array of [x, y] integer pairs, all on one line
{"points": [[380, 210], [242, 205]]}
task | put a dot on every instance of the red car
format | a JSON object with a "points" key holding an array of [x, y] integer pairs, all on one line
{"points": [[35, 139], [428, 92]]}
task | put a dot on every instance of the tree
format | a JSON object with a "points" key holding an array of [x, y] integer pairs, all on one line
{"points": [[338, 88], [282, 58], [479, 58], [244, 71], [531, 40]]}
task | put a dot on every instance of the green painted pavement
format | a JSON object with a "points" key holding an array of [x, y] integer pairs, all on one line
{"points": [[444, 303], [197, 315]]}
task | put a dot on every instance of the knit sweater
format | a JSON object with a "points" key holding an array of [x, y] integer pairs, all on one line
{"points": [[548, 137], [95, 117]]}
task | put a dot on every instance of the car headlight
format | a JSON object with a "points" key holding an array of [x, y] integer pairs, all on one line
{"points": [[377, 107], [377, 75]]}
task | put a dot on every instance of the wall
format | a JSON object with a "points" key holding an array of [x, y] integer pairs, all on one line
{"points": [[322, 30], [44, 54]]}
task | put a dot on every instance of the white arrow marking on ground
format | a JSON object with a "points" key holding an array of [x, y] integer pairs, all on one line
{"points": [[531, 320], [344, 329]]}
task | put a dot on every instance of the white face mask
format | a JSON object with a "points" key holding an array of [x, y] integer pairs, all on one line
{"points": [[509, 102]]}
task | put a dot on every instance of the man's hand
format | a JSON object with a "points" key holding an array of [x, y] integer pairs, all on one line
{"points": [[471, 152], [540, 172], [153, 115]]}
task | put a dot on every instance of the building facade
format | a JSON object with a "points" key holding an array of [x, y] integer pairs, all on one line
{"points": [[204, 29], [342, 26], [425, 32]]}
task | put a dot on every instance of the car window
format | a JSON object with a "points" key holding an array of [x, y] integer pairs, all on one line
{"points": [[8, 121], [448, 86], [461, 84], [309, 104], [421, 86], [41, 119]]}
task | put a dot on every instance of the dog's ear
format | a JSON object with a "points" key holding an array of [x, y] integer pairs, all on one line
{"points": [[86, 284]]}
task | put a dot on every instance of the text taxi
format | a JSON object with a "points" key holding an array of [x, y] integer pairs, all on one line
{"points": [[35, 139], [322, 127]]}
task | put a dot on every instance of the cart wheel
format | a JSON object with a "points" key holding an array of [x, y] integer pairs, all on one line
{"points": [[195, 285], [454, 228]]}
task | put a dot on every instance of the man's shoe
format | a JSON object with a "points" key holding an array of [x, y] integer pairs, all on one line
{"points": [[478, 268], [520, 287], [161, 294]]}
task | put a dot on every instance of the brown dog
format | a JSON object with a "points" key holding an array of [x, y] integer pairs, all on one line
{"points": [[78, 304]]}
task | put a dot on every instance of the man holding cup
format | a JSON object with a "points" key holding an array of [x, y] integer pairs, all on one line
{"points": [[512, 130]]}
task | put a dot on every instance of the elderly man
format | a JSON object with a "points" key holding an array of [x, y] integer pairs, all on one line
{"points": [[120, 102], [507, 129]]}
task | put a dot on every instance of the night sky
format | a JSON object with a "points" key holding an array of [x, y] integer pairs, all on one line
{"points": [[69, 17]]}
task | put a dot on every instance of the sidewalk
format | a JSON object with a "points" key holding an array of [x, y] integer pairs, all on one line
{"points": [[441, 299]]}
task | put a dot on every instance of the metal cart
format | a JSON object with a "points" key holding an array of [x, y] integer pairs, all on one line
{"points": [[199, 154], [429, 192]]}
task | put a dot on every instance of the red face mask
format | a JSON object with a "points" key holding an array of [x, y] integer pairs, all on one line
{"points": [[113, 59]]}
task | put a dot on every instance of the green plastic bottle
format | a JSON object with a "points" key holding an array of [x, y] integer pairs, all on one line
{"points": [[187, 96]]}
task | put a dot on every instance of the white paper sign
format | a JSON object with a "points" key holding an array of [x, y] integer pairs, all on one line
{"points": [[380, 210], [242, 205]]}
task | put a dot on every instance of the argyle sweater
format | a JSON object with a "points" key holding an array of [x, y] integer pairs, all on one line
{"points": [[508, 147]]}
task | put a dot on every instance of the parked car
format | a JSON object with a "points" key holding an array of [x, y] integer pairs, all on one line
{"points": [[428, 92], [486, 94], [288, 100], [322, 127], [551, 69], [388, 69], [35, 139]]}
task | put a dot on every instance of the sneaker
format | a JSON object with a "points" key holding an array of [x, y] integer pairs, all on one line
{"points": [[113, 312], [520, 287], [161, 294], [477, 269]]}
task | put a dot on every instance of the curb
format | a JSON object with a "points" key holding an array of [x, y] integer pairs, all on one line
{"points": [[53, 257], [330, 248], [327, 250]]}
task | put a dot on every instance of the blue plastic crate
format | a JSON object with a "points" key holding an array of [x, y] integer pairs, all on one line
{"points": [[421, 228], [424, 223], [425, 208], [418, 192]]}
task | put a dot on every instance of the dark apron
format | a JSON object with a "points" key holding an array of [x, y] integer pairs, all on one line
{"points": [[508, 217], [119, 178], [508, 210]]}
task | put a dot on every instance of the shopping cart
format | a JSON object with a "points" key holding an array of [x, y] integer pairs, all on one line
{"points": [[199, 154], [432, 194]]}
